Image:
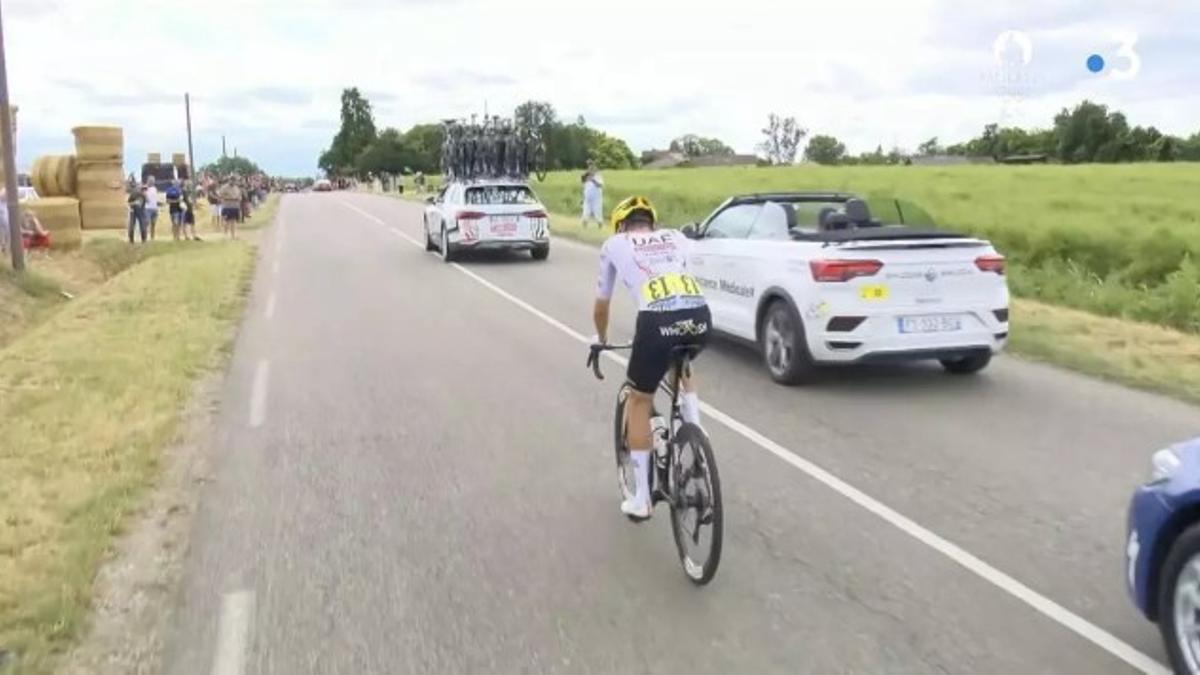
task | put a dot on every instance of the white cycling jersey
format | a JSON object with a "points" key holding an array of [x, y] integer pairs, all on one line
{"points": [[652, 265]]}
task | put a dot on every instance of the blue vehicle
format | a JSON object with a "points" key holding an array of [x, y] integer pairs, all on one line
{"points": [[1163, 551]]}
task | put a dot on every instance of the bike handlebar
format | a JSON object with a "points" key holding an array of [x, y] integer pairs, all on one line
{"points": [[593, 359]]}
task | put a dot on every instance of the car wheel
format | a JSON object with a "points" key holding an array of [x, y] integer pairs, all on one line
{"points": [[540, 253], [429, 245], [784, 348], [447, 253], [1179, 601], [966, 365]]}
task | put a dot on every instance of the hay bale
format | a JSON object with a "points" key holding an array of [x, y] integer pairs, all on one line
{"points": [[67, 167], [43, 179], [54, 175], [109, 214], [153, 157], [179, 159], [98, 181], [99, 144], [60, 216]]}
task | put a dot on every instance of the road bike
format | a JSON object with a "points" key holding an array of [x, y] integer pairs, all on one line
{"points": [[684, 470], [537, 159]]}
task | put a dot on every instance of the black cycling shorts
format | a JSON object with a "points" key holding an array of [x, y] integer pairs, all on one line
{"points": [[657, 334]]}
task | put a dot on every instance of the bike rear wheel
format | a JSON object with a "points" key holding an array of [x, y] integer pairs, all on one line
{"points": [[697, 517]]}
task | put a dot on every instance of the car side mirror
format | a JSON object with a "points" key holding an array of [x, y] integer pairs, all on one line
{"points": [[430, 199], [690, 231]]}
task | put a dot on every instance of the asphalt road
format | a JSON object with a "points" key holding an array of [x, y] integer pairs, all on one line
{"points": [[414, 476]]}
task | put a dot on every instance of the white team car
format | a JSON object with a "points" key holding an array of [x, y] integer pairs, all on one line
{"points": [[486, 215], [813, 279]]}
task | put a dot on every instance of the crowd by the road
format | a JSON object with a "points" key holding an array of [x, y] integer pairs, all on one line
{"points": [[230, 199]]}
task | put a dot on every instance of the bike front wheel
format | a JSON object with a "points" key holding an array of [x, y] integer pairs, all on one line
{"points": [[697, 517]]}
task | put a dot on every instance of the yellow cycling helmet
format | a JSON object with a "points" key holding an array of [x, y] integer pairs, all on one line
{"points": [[628, 206]]}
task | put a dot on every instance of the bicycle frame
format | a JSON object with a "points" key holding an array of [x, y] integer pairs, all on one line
{"points": [[680, 365]]}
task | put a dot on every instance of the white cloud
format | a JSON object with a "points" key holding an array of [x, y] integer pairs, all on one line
{"points": [[867, 72]]}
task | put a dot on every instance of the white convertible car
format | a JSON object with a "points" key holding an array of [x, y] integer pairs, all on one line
{"points": [[486, 215], [813, 278]]}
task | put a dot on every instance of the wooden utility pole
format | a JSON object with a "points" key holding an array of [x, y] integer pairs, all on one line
{"points": [[187, 106], [15, 245]]}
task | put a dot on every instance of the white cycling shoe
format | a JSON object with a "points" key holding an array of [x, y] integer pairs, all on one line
{"points": [[636, 510]]}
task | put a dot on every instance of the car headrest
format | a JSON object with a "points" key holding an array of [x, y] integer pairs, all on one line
{"points": [[823, 217], [857, 211], [838, 221], [789, 210]]}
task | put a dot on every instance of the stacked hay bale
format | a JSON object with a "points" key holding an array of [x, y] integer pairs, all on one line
{"points": [[153, 158], [54, 175], [100, 177], [179, 159], [60, 217]]}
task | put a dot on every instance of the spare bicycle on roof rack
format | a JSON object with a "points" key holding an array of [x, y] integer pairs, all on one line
{"points": [[495, 148]]}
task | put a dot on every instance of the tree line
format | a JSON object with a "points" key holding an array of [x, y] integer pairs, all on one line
{"points": [[1089, 132]]}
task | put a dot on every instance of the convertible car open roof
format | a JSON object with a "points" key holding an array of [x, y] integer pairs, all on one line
{"points": [[758, 197]]}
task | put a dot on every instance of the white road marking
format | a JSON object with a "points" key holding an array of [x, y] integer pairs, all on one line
{"points": [[258, 394], [270, 311], [233, 633], [275, 268], [364, 213], [1047, 607], [278, 239]]}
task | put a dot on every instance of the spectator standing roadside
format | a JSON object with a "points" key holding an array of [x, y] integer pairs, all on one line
{"points": [[214, 202], [175, 209], [231, 207], [593, 196], [189, 212], [245, 189], [151, 205], [137, 211]]}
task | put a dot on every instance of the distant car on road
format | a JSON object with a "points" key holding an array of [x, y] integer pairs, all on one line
{"points": [[290, 187], [1162, 549], [323, 185], [486, 215], [814, 278]]}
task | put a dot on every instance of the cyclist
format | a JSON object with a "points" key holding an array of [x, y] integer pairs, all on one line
{"points": [[652, 265]]}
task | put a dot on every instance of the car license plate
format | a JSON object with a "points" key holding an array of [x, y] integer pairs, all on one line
{"points": [[930, 324], [504, 226]]}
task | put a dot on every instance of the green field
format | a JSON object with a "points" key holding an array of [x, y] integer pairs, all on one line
{"points": [[1118, 240]]}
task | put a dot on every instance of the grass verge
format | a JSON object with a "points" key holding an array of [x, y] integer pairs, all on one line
{"points": [[89, 397], [1136, 354], [1141, 355]]}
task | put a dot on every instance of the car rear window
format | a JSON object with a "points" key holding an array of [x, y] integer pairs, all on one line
{"points": [[500, 194]]}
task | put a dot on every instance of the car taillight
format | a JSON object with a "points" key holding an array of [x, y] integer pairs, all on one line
{"points": [[534, 214], [990, 263], [843, 270], [471, 215]]}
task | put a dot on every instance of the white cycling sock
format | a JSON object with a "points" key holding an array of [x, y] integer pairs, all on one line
{"points": [[689, 407], [641, 470]]}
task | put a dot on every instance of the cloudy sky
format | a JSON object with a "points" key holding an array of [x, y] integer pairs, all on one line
{"points": [[267, 73]]}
